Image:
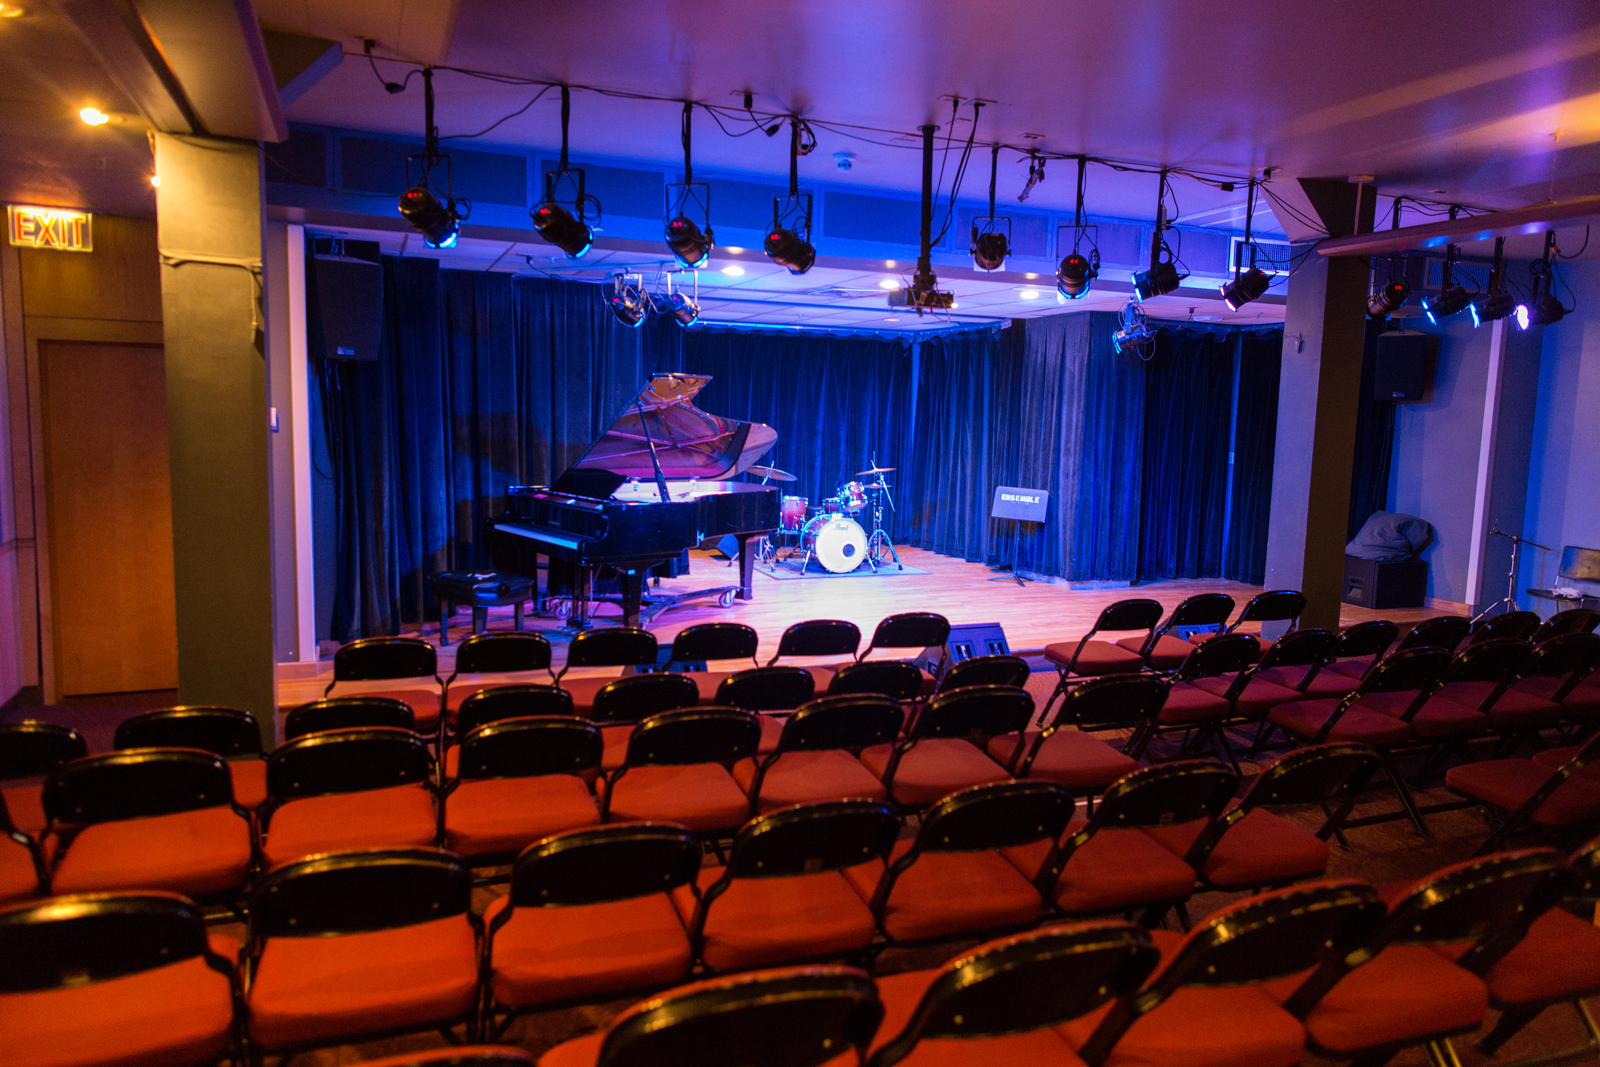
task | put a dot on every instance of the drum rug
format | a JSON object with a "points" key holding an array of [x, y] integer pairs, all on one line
{"points": [[789, 570]]}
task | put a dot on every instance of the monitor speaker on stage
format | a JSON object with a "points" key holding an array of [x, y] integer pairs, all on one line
{"points": [[966, 640], [347, 308], [1400, 372]]}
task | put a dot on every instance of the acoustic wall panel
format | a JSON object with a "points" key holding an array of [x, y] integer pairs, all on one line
{"points": [[301, 160], [1030, 232], [858, 217], [373, 166], [637, 194]]}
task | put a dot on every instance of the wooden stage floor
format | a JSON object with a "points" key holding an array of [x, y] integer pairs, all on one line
{"points": [[1033, 616]]}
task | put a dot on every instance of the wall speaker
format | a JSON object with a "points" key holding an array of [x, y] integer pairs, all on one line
{"points": [[1400, 372], [346, 309]]}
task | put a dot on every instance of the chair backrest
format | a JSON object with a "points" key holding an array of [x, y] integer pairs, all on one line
{"points": [[1026, 982], [1498, 661], [1370, 638], [224, 731], [713, 641], [767, 689], [1138, 613], [789, 1017], [1441, 631], [694, 735], [1575, 655], [531, 748], [1584, 880], [1571, 621], [347, 713], [898, 679], [1223, 654], [986, 670], [74, 940], [135, 783], [1277, 605], [29, 749], [458, 1056], [511, 702], [358, 892], [639, 696], [1580, 563], [812, 838], [346, 761], [998, 815], [1300, 648], [503, 653], [845, 722], [621, 861], [1315, 774], [383, 658], [1164, 795], [819, 637], [1414, 669], [1202, 609], [1113, 700], [1513, 625], [1262, 939], [624, 646], [974, 712], [910, 629]]}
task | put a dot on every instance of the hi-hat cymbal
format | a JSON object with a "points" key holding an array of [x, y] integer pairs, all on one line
{"points": [[771, 472], [873, 470]]}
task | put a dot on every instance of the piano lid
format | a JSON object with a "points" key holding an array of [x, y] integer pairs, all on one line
{"points": [[690, 443]]}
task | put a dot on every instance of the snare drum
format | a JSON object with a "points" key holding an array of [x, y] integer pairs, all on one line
{"points": [[854, 497], [832, 506], [792, 513]]}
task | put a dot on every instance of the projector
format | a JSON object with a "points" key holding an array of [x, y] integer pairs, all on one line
{"points": [[921, 294]]}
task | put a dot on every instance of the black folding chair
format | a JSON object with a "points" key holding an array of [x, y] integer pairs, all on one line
{"points": [[1571, 621], [490, 653], [945, 747], [233, 734], [502, 702], [625, 647], [1511, 626], [348, 713], [1161, 651], [985, 670], [394, 659], [896, 679], [22, 869], [676, 770], [813, 759], [818, 637], [622, 703], [697, 645], [30, 749]]}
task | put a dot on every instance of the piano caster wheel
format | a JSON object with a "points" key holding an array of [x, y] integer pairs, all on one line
{"points": [[725, 600], [561, 607]]}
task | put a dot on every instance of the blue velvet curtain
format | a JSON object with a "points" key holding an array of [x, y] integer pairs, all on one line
{"points": [[1109, 508], [1255, 439], [1369, 482]]}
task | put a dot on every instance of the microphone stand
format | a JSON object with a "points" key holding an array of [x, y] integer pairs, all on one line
{"points": [[1510, 599]]}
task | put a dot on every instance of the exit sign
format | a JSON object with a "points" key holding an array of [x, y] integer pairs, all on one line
{"points": [[49, 227]]}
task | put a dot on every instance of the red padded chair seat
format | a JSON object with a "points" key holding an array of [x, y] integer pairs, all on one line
{"points": [[1169, 653], [1525, 706], [1583, 703], [771, 730], [1560, 957], [1236, 1026], [1118, 870], [1327, 685], [900, 994], [700, 796], [1356, 725], [933, 769], [18, 879], [548, 954], [760, 922], [1186, 703], [1072, 758], [178, 1014], [1260, 849], [508, 814], [1439, 717], [582, 691], [249, 781], [707, 682], [1558, 757], [1351, 666], [1096, 659], [1508, 783], [398, 816], [1404, 992], [614, 740], [1259, 697], [313, 989], [192, 852], [25, 807], [423, 700], [810, 778], [945, 893]]}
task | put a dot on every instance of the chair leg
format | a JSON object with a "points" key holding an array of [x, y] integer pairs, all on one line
{"points": [[1403, 793], [1443, 1054], [1059, 690], [1338, 831], [1512, 1020], [1219, 741], [1263, 735]]}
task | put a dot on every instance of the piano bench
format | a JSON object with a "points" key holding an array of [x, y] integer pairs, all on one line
{"points": [[480, 592]]}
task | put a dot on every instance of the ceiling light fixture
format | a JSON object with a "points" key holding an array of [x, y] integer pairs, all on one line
{"points": [[1495, 302], [438, 219], [1392, 297], [924, 292], [690, 241], [788, 242], [1135, 333], [557, 225], [1252, 283], [991, 246], [1544, 308], [93, 116], [626, 300], [1162, 276], [1076, 273], [1452, 297]]}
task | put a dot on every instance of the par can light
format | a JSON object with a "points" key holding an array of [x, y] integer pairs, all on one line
{"points": [[689, 244], [558, 226], [1246, 287], [989, 249], [1075, 276], [438, 223], [789, 250]]}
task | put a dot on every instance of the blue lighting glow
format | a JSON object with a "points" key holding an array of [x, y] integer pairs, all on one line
{"points": [[1522, 316]]}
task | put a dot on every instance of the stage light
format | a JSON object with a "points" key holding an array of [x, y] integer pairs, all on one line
{"points": [[438, 223], [1075, 277], [1161, 278], [688, 242], [1135, 332], [1449, 301], [1493, 305], [1388, 300], [989, 250], [788, 249], [627, 302], [94, 116], [561, 228], [1545, 310], [1246, 287], [684, 308]]}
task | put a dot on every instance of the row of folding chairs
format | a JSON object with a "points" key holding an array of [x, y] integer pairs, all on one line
{"points": [[351, 947]]}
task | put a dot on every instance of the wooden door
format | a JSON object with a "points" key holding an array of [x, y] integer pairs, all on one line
{"points": [[108, 495]]}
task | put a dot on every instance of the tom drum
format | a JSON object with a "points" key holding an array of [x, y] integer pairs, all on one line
{"points": [[854, 497], [792, 513]]}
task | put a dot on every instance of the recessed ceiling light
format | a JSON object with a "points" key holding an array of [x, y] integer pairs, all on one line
{"points": [[94, 116], [733, 251], [892, 318], [1030, 294], [12, 11], [1030, 277], [889, 264], [155, 180], [888, 283], [733, 270]]}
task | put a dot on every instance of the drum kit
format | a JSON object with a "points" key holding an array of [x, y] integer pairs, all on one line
{"points": [[831, 533]]}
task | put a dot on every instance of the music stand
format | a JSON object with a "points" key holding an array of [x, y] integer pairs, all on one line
{"points": [[1020, 505]]}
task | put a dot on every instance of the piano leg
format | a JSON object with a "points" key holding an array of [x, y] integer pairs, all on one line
{"points": [[748, 543], [632, 583]]}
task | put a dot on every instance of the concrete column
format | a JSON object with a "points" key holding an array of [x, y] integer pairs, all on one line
{"points": [[209, 223]]}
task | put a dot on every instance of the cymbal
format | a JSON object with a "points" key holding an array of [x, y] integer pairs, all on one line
{"points": [[873, 470], [771, 472]]}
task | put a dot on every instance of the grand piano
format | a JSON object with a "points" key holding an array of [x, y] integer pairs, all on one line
{"points": [[657, 483]]}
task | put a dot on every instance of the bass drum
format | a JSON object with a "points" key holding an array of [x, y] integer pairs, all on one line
{"points": [[838, 543]]}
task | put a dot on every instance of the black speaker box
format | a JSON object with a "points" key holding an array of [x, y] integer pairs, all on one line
{"points": [[347, 308], [1400, 374], [1397, 583], [966, 641]]}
